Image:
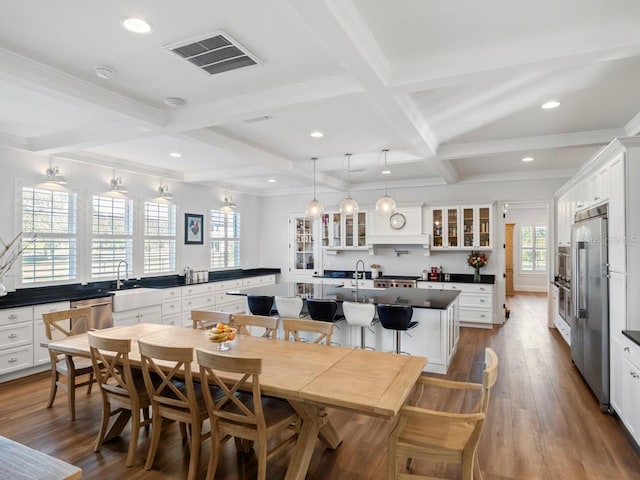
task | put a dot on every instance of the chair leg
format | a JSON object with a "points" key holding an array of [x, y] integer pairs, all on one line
{"points": [[477, 474], [156, 427], [91, 380], [467, 466], [106, 414], [54, 386], [145, 415], [196, 428], [392, 460], [71, 396], [133, 442], [262, 458], [215, 451]]}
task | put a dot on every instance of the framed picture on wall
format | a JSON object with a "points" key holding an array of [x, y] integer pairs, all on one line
{"points": [[193, 225]]}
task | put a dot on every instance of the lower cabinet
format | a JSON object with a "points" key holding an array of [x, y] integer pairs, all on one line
{"points": [[625, 383], [476, 302], [151, 314]]}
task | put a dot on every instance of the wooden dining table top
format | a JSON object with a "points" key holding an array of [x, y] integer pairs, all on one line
{"points": [[362, 381]]}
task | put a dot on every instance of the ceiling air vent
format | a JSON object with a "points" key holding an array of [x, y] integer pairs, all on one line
{"points": [[214, 53]]}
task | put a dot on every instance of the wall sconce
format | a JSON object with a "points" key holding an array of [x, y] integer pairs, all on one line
{"points": [[53, 175], [164, 195], [229, 205]]}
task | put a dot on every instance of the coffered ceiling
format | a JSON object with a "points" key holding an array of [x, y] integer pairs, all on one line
{"points": [[452, 89]]}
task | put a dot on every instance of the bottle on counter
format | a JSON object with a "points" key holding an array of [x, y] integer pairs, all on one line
{"points": [[441, 274], [425, 274]]}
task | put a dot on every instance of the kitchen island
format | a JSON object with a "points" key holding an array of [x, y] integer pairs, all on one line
{"points": [[435, 337]]}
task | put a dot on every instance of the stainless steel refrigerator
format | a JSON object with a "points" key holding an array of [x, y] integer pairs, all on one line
{"points": [[590, 288]]}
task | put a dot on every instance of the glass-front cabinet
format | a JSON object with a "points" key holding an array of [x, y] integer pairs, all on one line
{"points": [[344, 231], [302, 244], [444, 227], [467, 227]]}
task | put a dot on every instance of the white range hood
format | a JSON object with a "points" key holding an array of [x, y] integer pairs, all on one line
{"points": [[405, 228]]}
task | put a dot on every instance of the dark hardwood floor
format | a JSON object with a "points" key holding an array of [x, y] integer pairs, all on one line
{"points": [[543, 421]]}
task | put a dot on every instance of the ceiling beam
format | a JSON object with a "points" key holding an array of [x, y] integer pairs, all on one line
{"points": [[13, 141], [632, 128]]}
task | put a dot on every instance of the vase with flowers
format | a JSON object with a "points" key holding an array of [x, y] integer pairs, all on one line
{"points": [[9, 253], [477, 260]]}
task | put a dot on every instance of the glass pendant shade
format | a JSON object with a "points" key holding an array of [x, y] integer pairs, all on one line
{"points": [[348, 206], [314, 207], [385, 205]]}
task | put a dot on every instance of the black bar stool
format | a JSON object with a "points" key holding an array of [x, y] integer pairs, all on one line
{"points": [[398, 318], [324, 311], [260, 304]]}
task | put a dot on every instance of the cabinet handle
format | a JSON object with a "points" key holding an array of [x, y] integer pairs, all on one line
{"points": [[634, 374], [13, 360], [596, 198], [482, 315], [482, 289], [627, 349], [13, 335], [482, 300], [13, 316]]}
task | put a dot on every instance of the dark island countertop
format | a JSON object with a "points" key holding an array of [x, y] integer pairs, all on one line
{"points": [[415, 297], [23, 297], [633, 335]]}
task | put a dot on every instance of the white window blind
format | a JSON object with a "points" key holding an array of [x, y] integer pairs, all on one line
{"points": [[533, 249], [112, 235], [51, 216], [159, 237], [225, 239]]}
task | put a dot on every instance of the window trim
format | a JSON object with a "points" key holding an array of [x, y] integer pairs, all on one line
{"points": [[533, 249], [225, 239]]}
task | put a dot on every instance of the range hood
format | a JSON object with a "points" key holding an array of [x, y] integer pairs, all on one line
{"points": [[403, 228]]}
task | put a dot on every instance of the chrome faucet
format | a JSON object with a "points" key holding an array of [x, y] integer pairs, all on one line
{"points": [[126, 273], [357, 277]]}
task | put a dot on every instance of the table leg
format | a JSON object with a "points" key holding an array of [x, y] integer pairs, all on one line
{"points": [[118, 425], [315, 423]]}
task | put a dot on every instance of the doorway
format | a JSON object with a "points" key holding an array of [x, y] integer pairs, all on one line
{"points": [[508, 259]]}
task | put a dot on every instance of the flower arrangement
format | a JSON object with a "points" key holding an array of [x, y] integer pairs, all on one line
{"points": [[10, 252], [477, 260]]}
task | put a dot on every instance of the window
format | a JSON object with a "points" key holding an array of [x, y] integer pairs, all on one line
{"points": [[225, 239], [159, 237], [533, 249], [112, 235], [50, 215]]}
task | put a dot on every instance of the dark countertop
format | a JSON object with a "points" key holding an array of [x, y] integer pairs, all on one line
{"points": [[23, 297], [464, 278], [415, 297], [633, 335]]}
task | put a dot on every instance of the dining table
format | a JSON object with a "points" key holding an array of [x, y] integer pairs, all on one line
{"points": [[311, 377]]}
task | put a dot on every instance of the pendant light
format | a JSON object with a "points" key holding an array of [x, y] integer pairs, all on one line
{"points": [[314, 207], [385, 204], [348, 206], [229, 205]]}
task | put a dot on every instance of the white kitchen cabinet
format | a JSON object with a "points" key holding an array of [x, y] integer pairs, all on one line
{"points": [[302, 245], [599, 186], [563, 220], [259, 281], [476, 222], [476, 303], [348, 231], [16, 339], [152, 314], [430, 285], [616, 377], [616, 215], [41, 354], [445, 227], [631, 389]]}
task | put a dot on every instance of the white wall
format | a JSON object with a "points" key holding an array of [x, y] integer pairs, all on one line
{"points": [[526, 215], [18, 166]]}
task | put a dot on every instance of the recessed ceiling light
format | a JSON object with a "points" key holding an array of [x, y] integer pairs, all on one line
{"points": [[175, 154], [174, 101], [272, 180], [550, 104], [104, 72], [135, 25], [386, 172], [527, 159], [317, 134]]}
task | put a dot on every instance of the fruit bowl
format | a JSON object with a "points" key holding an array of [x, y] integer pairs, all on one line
{"points": [[219, 335]]}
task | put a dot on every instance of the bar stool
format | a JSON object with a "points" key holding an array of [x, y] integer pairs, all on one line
{"points": [[324, 311], [398, 318], [260, 304], [360, 315], [289, 307]]}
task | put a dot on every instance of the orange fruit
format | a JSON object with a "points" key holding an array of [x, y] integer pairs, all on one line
{"points": [[220, 325], [231, 336]]}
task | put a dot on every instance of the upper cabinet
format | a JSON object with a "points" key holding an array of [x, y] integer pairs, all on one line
{"points": [[344, 231], [302, 244], [466, 227]]}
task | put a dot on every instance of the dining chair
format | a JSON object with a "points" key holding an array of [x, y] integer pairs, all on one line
{"points": [[260, 304], [397, 318], [289, 307], [293, 327], [203, 319], [66, 323], [123, 393], [360, 315], [174, 397], [443, 436], [248, 416], [242, 322]]}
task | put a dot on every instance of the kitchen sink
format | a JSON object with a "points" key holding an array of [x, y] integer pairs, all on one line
{"points": [[136, 298]]}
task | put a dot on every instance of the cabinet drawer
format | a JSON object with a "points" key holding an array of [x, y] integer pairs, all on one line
{"points": [[16, 335], [430, 285], [16, 315], [198, 302], [171, 293], [475, 316], [237, 306], [476, 288], [222, 298], [38, 310], [631, 351], [174, 320], [228, 285], [16, 359], [197, 289], [262, 280], [171, 307], [476, 301]]}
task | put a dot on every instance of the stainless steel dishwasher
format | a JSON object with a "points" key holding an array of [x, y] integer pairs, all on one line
{"points": [[101, 313]]}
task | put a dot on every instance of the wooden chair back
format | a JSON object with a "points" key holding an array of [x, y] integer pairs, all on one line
{"points": [[68, 322], [206, 319], [241, 322], [293, 327], [111, 366]]}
